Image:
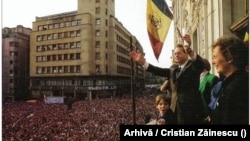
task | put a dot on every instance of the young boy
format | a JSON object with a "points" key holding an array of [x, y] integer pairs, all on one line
{"points": [[165, 114]]}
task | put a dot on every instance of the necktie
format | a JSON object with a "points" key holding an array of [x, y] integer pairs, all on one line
{"points": [[178, 70]]}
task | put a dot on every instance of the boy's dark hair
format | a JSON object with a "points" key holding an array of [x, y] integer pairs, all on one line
{"points": [[207, 65]]}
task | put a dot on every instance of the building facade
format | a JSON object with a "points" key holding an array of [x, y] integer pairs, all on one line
{"points": [[15, 62], [207, 20], [83, 54]]}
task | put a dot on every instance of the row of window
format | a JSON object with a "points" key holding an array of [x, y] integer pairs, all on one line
{"points": [[123, 70], [64, 69], [122, 41], [13, 53], [53, 36], [58, 69], [123, 60], [119, 29], [13, 44], [122, 50], [59, 25], [98, 44], [76, 82], [59, 57], [58, 46]]}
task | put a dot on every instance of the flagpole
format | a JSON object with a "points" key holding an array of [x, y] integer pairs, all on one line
{"points": [[132, 81], [179, 32]]}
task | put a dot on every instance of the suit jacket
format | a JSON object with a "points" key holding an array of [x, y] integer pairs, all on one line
{"points": [[186, 85], [170, 117], [233, 104]]}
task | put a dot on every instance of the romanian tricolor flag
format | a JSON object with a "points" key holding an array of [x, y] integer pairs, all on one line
{"points": [[159, 18]]}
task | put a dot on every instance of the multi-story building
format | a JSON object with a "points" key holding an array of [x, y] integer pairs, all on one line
{"points": [[15, 62], [207, 20], [83, 53]]}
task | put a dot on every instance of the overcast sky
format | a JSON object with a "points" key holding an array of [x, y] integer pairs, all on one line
{"points": [[131, 13]]}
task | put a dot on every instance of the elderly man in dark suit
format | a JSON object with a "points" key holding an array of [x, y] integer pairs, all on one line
{"points": [[184, 78]]}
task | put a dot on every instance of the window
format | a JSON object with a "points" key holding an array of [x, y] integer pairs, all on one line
{"points": [[54, 47], [68, 24], [106, 22], [78, 22], [97, 10], [78, 33], [48, 70], [78, 68], [39, 70], [11, 44], [51, 26], [60, 35], [72, 45], [43, 70], [60, 46], [66, 35], [66, 69], [97, 69], [38, 48], [78, 56], [59, 57], [71, 69], [61, 24], [56, 25], [50, 47], [40, 28], [78, 44], [48, 58], [65, 56], [97, 44], [107, 68], [45, 27], [74, 23], [54, 57], [97, 1], [55, 35], [71, 56], [13, 53], [98, 21], [97, 33], [66, 45], [49, 37], [72, 34], [38, 58], [39, 38], [44, 48], [44, 58], [54, 69], [60, 69], [97, 56], [44, 37], [106, 44], [106, 33]]}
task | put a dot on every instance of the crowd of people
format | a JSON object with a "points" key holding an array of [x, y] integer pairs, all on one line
{"points": [[96, 120]]}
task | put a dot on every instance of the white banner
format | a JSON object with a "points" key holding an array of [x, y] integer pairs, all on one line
{"points": [[54, 99]]}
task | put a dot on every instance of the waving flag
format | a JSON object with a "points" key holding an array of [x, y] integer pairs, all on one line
{"points": [[159, 18]]}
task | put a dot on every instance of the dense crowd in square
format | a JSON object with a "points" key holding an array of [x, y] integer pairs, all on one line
{"points": [[96, 120]]}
